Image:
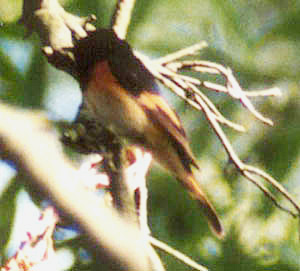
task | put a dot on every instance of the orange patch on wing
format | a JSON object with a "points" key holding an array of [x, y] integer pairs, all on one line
{"points": [[156, 102]]}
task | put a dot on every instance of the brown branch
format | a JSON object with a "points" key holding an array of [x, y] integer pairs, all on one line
{"points": [[27, 139]]}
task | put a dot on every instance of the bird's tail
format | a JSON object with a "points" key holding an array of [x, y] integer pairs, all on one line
{"points": [[193, 187]]}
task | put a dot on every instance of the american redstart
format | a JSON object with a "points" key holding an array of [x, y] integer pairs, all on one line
{"points": [[121, 94]]}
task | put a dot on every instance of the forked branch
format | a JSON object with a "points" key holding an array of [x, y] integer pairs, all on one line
{"points": [[167, 69]]}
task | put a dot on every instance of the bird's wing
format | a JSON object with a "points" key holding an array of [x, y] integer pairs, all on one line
{"points": [[163, 116]]}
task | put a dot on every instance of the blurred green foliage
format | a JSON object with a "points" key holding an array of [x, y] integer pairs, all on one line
{"points": [[259, 40]]}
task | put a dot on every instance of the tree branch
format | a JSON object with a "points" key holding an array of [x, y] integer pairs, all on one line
{"points": [[121, 17], [165, 69], [187, 88], [234, 90], [56, 29], [28, 139]]}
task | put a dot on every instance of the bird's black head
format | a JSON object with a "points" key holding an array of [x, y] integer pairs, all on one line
{"points": [[88, 51], [104, 45]]}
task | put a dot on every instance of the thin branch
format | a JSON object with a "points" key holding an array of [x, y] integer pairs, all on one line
{"points": [[232, 88], [192, 50], [116, 164], [268, 194], [176, 83], [213, 68], [138, 163], [177, 254], [165, 69], [264, 93], [235, 91], [274, 183], [245, 169], [219, 117], [136, 173], [185, 88], [121, 17]]}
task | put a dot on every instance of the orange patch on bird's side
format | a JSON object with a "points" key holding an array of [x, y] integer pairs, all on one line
{"points": [[156, 102], [102, 75], [105, 88], [102, 86]]}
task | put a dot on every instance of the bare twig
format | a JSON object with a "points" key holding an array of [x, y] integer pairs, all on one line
{"points": [[183, 89], [219, 117], [232, 88], [245, 169], [121, 17], [166, 71], [138, 162], [250, 169], [177, 254], [192, 50], [213, 68], [268, 194], [263, 93]]}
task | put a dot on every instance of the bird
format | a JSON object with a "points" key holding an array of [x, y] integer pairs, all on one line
{"points": [[122, 95]]}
